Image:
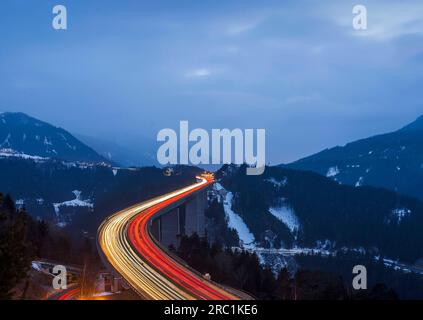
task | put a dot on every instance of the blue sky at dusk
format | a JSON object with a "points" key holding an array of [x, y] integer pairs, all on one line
{"points": [[126, 69]]}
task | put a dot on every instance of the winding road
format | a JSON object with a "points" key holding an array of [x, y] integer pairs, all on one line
{"points": [[125, 242]]}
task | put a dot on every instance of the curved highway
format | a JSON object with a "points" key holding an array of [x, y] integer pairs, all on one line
{"points": [[126, 243], [70, 295]]}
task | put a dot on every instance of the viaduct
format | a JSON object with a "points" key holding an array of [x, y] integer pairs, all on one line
{"points": [[182, 218]]}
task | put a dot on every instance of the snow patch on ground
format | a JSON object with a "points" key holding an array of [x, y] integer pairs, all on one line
{"points": [[332, 172], [70, 147], [353, 166], [235, 221], [77, 202], [359, 183], [7, 153], [324, 245], [397, 215], [19, 203], [287, 216], [218, 187], [399, 266], [88, 165], [277, 183], [6, 141], [279, 258], [47, 141], [276, 262], [36, 266]]}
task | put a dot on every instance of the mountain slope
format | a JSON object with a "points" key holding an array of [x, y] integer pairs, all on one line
{"points": [[285, 207], [81, 195], [393, 160], [124, 156], [22, 134]]}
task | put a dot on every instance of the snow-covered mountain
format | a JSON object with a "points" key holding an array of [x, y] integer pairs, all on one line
{"points": [[299, 211], [393, 160], [26, 137], [58, 178]]}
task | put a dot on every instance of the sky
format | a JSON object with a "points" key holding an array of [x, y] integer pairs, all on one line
{"points": [[123, 70]]}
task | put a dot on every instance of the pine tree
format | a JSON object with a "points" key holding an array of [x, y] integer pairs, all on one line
{"points": [[284, 289], [15, 253]]}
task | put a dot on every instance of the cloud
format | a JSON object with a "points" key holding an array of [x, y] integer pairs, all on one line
{"points": [[237, 29], [199, 73], [248, 21]]}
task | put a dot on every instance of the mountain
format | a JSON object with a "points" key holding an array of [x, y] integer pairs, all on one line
{"points": [[285, 208], [24, 136], [301, 220], [80, 195], [392, 160], [416, 126], [121, 155], [58, 178]]}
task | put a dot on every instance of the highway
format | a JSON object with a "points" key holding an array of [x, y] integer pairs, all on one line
{"points": [[71, 293], [125, 241]]}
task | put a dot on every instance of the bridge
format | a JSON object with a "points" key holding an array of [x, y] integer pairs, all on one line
{"points": [[184, 217], [133, 243]]}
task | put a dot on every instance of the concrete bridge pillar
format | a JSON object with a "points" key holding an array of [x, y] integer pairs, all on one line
{"points": [[170, 228], [194, 214], [187, 219]]}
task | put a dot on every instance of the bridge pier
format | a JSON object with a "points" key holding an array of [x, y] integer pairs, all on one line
{"points": [[186, 219], [195, 218], [169, 228]]}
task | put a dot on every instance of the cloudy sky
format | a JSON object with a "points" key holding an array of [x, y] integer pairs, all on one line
{"points": [[126, 69]]}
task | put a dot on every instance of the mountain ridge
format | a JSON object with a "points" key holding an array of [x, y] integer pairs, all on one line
{"points": [[23, 134], [415, 125], [391, 160]]}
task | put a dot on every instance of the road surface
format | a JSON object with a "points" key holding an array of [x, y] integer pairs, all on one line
{"points": [[72, 293], [125, 240]]}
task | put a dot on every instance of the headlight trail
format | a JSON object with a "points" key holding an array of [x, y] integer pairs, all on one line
{"points": [[71, 294], [126, 242]]}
